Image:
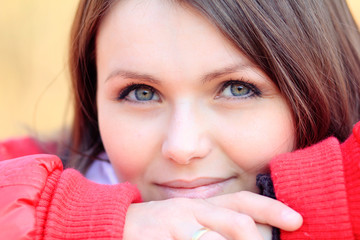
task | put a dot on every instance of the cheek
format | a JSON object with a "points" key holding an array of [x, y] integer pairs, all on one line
{"points": [[129, 143], [251, 142]]}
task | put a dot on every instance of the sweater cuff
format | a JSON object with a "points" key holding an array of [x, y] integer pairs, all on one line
{"points": [[81, 209], [312, 182], [351, 154]]}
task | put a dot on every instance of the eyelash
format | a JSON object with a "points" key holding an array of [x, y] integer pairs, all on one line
{"points": [[255, 92], [133, 86]]}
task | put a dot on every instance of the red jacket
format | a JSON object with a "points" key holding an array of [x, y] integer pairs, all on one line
{"points": [[41, 201], [38, 200]]}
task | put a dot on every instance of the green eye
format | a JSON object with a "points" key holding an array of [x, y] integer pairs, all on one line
{"points": [[144, 94], [139, 93], [239, 90]]}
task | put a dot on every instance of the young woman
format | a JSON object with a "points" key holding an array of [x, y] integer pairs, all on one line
{"points": [[194, 103]]}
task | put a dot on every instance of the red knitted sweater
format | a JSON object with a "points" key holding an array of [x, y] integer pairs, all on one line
{"points": [[40, 201], [322, 183]]}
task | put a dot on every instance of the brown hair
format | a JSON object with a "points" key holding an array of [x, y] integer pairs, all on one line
{"points": [[309, 48]]}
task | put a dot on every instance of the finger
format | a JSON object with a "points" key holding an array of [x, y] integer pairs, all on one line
{"points": [[189, 230], [262, 209], [212, 235], [227, 223]]}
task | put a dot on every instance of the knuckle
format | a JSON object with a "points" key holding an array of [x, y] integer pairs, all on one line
{"points": [[201, 201], [242, 194], [179, 201], [244, 221], [186, 203]]}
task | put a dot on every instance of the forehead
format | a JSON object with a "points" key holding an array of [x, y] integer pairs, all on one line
{"points": [[155, 33]]}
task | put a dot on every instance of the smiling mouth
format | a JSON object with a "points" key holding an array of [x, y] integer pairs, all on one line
{"points": [[198, 188]]}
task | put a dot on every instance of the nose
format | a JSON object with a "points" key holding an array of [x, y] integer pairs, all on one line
{"points": [[187, 138]]}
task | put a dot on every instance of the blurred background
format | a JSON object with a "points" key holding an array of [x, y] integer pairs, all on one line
{"points": [[34, 79]]}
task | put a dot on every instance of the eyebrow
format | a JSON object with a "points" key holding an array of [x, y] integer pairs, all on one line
{"points": [[132, 75], [204, 79], [223, 71]]}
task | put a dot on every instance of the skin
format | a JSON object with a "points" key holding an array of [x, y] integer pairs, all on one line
{"points": [[185, 130]]}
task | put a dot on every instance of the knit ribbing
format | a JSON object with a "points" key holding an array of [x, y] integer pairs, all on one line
{"points": [[312, 182], [351, 153], [81, 209]]}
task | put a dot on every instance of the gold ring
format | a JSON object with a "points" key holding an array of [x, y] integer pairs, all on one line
{"points": [[199, 233]]}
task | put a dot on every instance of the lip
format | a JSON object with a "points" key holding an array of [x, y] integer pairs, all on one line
{"points": [[203, 187]]}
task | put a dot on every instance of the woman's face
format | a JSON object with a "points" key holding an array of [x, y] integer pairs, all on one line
{"points": [[183, 113]]}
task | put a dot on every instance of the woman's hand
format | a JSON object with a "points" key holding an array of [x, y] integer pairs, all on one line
{"points": [[236, 216]]}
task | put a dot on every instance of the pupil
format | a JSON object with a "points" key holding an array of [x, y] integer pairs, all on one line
{"points": [[238, 90], [143, 94]]}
